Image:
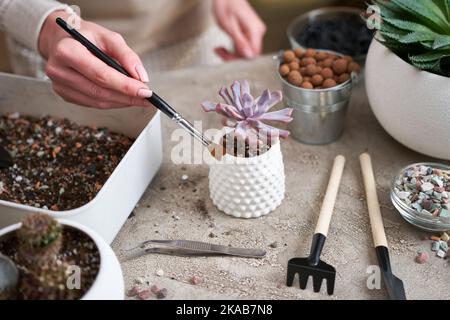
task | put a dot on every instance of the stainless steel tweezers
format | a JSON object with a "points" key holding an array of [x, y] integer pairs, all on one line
{"points": [[196, 248]]}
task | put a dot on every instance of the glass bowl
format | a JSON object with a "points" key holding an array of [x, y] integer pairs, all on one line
{"points": [[417, 219]]}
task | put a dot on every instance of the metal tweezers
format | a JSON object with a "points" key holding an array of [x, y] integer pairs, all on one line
{"points": [[195, 248]]}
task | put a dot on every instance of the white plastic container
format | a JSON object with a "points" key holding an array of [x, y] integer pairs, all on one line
{"points": [[248, 187], [108, 284], [108, 211]]}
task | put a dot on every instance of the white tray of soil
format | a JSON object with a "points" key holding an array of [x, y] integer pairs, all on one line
{"points": [[81, 164]]}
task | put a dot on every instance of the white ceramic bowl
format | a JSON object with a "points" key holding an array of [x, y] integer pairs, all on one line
{"points": [[109, 284], [413, 106], [248, 187]]}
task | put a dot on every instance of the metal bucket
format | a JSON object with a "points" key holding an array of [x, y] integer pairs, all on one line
{"points": [[319, 115]]}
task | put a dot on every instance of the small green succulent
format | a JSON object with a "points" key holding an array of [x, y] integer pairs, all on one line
{"points": [[40, 238], [39, 231], [417, 31]]}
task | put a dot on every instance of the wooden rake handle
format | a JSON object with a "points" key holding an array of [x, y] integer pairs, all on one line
{"points": [[376, 221], [326, 211]]}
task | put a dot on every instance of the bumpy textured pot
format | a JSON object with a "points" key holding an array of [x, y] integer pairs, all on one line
{"points": [[413, 106], [248, 187], [109, 284]]}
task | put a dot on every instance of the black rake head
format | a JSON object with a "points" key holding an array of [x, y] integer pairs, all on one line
{"points": [[305, 269]]}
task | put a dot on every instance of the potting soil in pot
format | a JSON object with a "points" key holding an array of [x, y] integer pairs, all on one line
{"points": [[58, 165], [77, 250]]}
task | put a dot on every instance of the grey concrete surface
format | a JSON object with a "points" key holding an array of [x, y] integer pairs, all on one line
{"points": [[349, 244]]}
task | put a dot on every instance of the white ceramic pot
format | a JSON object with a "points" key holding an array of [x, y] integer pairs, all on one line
{"points": [[413, 106], [248, 187], [109, 284]]}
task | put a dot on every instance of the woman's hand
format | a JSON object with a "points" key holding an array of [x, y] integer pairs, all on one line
{"points": [[80, 77], [243, 24]]}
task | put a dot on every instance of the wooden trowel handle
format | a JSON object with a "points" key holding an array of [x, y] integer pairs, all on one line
{"points": [[376, 221], [330, 197]]}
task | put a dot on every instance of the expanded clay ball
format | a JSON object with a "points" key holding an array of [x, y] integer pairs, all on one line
{"points": [[327, 73], [295, 78], [348, 58], [310, 53], [327, 63], [340, 66], [307, 85], [307, 61], [314, 69], [294, 65], [284, 70], [303, 71], [343, 78], [329, 83], [299, 52], [354, 67], [320, 56], [317, 80], [311, 70], [289, 56]]}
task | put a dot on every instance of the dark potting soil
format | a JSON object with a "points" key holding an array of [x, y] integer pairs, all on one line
{"points": [[348, 35], [77, 249], [58, 165]]}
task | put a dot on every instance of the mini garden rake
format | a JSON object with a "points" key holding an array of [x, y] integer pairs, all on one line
{"points": [[312, 265]]}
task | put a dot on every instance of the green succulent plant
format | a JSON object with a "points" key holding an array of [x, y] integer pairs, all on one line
{"points": [[418, 32], [40, 238]]}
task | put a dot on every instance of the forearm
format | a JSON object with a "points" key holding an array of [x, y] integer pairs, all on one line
{"points": [[23, 19]]}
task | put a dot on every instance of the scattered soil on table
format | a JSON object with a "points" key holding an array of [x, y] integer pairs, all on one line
{"points": [[200, 205], [58, 165], [77, 249]]}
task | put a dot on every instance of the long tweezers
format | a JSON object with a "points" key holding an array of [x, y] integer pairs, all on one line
{"points": [[196, 248]]}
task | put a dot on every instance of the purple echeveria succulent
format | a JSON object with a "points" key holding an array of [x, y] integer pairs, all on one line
{"points": [[246, 114]]}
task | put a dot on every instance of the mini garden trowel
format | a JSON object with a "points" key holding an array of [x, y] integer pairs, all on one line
{"points": [[6, 160], [312, 265], [394, 285]]}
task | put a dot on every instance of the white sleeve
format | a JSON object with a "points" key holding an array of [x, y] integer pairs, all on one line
{"points": [[22, 20]]}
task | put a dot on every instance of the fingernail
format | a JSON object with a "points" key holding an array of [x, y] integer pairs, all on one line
{"points": [[143, 75], [144, 93], [248, 53]]}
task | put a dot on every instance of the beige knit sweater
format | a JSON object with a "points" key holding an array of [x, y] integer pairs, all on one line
{"points": [[146, 25]]}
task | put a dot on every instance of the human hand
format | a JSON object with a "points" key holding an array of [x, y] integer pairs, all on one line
{"points": [[80, 77], [242, 23]]}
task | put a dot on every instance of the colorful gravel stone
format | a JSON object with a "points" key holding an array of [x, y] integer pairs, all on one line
{"points": [[425, 190]]}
